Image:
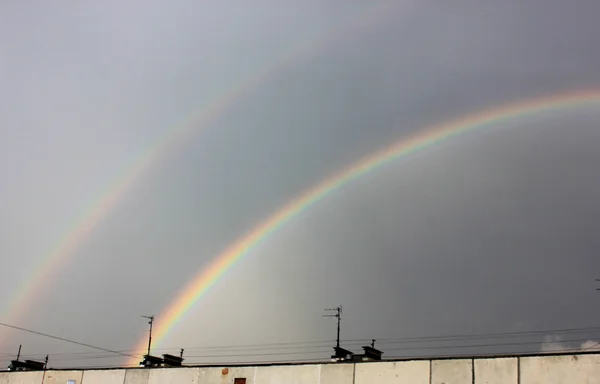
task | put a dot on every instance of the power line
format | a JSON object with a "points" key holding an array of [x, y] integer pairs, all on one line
{"points": [[486, 345], [432, 357], [256, 345], [66, 340], [324, 343], [300, 348], [396, 349], [508, 353], [262, 354], [484, 335], [592, 346]]}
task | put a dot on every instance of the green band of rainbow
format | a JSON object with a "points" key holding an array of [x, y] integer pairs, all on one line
{"points": [[207, 277]]}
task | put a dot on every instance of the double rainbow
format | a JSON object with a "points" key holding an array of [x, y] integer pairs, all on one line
{"points": [[428, 137]]}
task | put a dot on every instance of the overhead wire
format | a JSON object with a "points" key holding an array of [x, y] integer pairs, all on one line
{"points": [[227, 352], [324, 343], [66, 340]]}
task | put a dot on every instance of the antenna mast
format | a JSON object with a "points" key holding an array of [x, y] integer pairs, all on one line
{"points": [[338, 314], [150, 335]]}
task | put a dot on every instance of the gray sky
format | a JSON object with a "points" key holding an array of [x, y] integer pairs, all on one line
{"points": [[494, 232]]}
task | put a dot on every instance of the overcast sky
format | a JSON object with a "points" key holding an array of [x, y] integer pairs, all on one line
{"points": [[496, 231]]}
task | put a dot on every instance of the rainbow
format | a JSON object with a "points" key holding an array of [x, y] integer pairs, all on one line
{"points": [[172, 139], [428, 137]]}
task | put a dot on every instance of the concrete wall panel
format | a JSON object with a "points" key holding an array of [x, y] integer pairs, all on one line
{"points": [[576, 369], [571, 369], [21, 377], [496, 371], [406, 372], [225, 375], [451, 372], [137, 376], [113, 376], [337, 374], [173, 375], [63, 377], [293, 374]]}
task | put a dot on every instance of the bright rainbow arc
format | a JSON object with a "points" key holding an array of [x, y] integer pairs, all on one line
{"points": [[63, 249], [431, 136]]}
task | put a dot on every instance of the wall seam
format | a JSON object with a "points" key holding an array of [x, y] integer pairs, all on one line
{"points": [[518, 370], [353, 373], [320, 368], [82, 374], [430, 371], [472, 371]]}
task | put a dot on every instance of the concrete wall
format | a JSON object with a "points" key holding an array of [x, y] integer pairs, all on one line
{"points": [[405, 372], [179, 376], [554, 369], [137, 376], [452, 372], [497, 371], [21, 377], [226, 375], [63, 377], [104, 377], [560, 369], [297, 374], [337, 373]]}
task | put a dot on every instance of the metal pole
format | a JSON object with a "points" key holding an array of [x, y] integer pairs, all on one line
{"points": [[339, 322], [19, 353], [339, 316], [150, 334]]}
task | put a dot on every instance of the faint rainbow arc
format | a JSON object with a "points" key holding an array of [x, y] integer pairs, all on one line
{"points": [[207, 277], [63, 249]]}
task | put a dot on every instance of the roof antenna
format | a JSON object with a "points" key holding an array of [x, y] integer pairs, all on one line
{"points": [[150, 335], [339, 320]]}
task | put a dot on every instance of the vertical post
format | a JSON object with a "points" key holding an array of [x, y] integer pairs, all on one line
{"points": [[150, 337], [518, 370], [339, 319], [339, 322], [150, 334], [19, 353], [181, 353], [45, 368]]}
